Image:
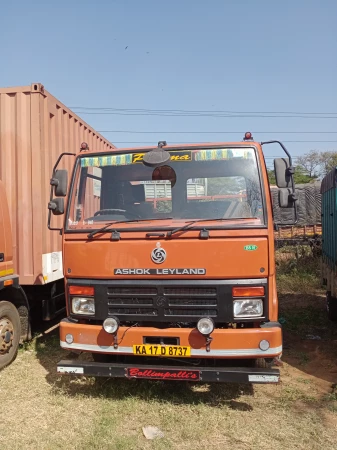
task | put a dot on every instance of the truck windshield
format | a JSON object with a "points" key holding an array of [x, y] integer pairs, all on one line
{"points": [[199, 183]]}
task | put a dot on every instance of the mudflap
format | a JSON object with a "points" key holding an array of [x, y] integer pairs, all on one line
{"points": [[180, 373]]}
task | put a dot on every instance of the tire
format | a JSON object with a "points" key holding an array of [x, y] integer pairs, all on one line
{"points": [[262, 363], [10, 332], [331, 307]]}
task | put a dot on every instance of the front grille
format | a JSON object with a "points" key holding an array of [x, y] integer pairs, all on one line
{"points": [[166, 303], [163, 302]]}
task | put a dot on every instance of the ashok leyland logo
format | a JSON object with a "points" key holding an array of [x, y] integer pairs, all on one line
{"points": [[158, 255]]}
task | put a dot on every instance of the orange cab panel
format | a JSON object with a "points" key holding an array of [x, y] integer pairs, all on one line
{"points": [[220, 258]]}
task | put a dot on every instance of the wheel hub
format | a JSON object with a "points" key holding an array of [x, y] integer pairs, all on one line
{"points": [[6, 335]]}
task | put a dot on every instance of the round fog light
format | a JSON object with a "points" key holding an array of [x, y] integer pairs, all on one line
{"points": [[111, 325], [264, 345], [205, 326], [69, 338]]}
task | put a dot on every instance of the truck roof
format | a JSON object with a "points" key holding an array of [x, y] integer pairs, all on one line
{"points": [[176, 146]]}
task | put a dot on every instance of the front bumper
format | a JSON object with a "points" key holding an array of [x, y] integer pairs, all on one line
{"points": [[240, 343], [176, 373]]}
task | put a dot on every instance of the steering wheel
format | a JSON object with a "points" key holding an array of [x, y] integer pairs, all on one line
{"points": [[113, 210]]}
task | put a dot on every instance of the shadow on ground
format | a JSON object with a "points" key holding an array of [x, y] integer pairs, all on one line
{"points": [[310, 345], [49, 354]]}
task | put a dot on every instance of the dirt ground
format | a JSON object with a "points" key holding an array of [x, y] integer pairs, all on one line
{"points": [[42, 410]]}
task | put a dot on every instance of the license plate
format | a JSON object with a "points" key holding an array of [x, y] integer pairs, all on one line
{"points": [[164, 374], [161, 350]]}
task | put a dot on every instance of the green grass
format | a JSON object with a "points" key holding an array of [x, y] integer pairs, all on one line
{"points": [[46, 411], [298, 270]]}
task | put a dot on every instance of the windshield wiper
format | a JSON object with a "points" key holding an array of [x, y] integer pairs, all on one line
{"points": [[190, 224], [106, 227]]}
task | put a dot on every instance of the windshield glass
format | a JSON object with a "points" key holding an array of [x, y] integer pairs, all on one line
{"points": [[195, 184]]}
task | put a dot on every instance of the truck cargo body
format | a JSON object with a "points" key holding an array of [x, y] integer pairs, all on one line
{"points": [[307, 229], [181, 287], [35, 128], [329, 241]]}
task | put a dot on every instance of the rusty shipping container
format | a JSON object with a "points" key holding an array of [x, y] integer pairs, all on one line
{"points": [[35, 128]]}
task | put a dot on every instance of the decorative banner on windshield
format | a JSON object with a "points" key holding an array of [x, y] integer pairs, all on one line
{"points": [[160, 271], [111, 160], [175, 156], [218, 154]]}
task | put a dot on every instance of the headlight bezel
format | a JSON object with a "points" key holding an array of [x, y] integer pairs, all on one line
{"points": [[84, 301], [241, 301]]}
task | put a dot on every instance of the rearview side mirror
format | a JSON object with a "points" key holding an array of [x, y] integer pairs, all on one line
{"points": [[60, 182], [286, 198], [283, 173], [56, 206]]}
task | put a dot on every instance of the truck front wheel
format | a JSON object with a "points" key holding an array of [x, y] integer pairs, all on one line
{"points": [[10, 332], [264, 363], [331, 306]]}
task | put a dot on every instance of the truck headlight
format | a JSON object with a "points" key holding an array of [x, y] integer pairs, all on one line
{"points": [[83, 305], [247, 308], [205, 326], [111, 325]]}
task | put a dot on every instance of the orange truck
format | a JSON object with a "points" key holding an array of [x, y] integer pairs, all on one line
{"points": [[168, 281]]}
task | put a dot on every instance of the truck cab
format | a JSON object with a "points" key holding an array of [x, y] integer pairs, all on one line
{"points": [[169, 262]]}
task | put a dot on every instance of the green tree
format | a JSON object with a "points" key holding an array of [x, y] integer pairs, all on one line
{"points": [[317, 164], [310, 163], [300, 176], [328, 162]]}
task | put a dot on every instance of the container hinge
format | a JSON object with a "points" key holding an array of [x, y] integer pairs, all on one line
{"points": [[37, 87]]}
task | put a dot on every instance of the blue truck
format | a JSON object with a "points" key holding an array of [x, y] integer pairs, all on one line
{"points": [[329, 241]]}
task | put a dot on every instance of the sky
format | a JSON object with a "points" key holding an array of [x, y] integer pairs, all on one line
{"points": [[193, 55]]}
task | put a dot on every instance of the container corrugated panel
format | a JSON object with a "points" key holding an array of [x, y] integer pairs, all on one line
{"points": [[329, 181], [329, 219], [35, 128]]}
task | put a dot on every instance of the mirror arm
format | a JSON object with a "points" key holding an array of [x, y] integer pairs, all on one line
{"points": [[283, 148], [290, 173], [51, 228], [51, 189], [59, 159]]}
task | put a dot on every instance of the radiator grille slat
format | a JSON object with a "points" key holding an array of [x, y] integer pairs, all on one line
{"points": [[191, 291], [145, 301], [133, 311], [190, 312], [131, 290], [192, 301]]}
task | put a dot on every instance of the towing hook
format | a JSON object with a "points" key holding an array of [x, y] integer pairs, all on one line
{"points": [[209, 339], [115, 341]]}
